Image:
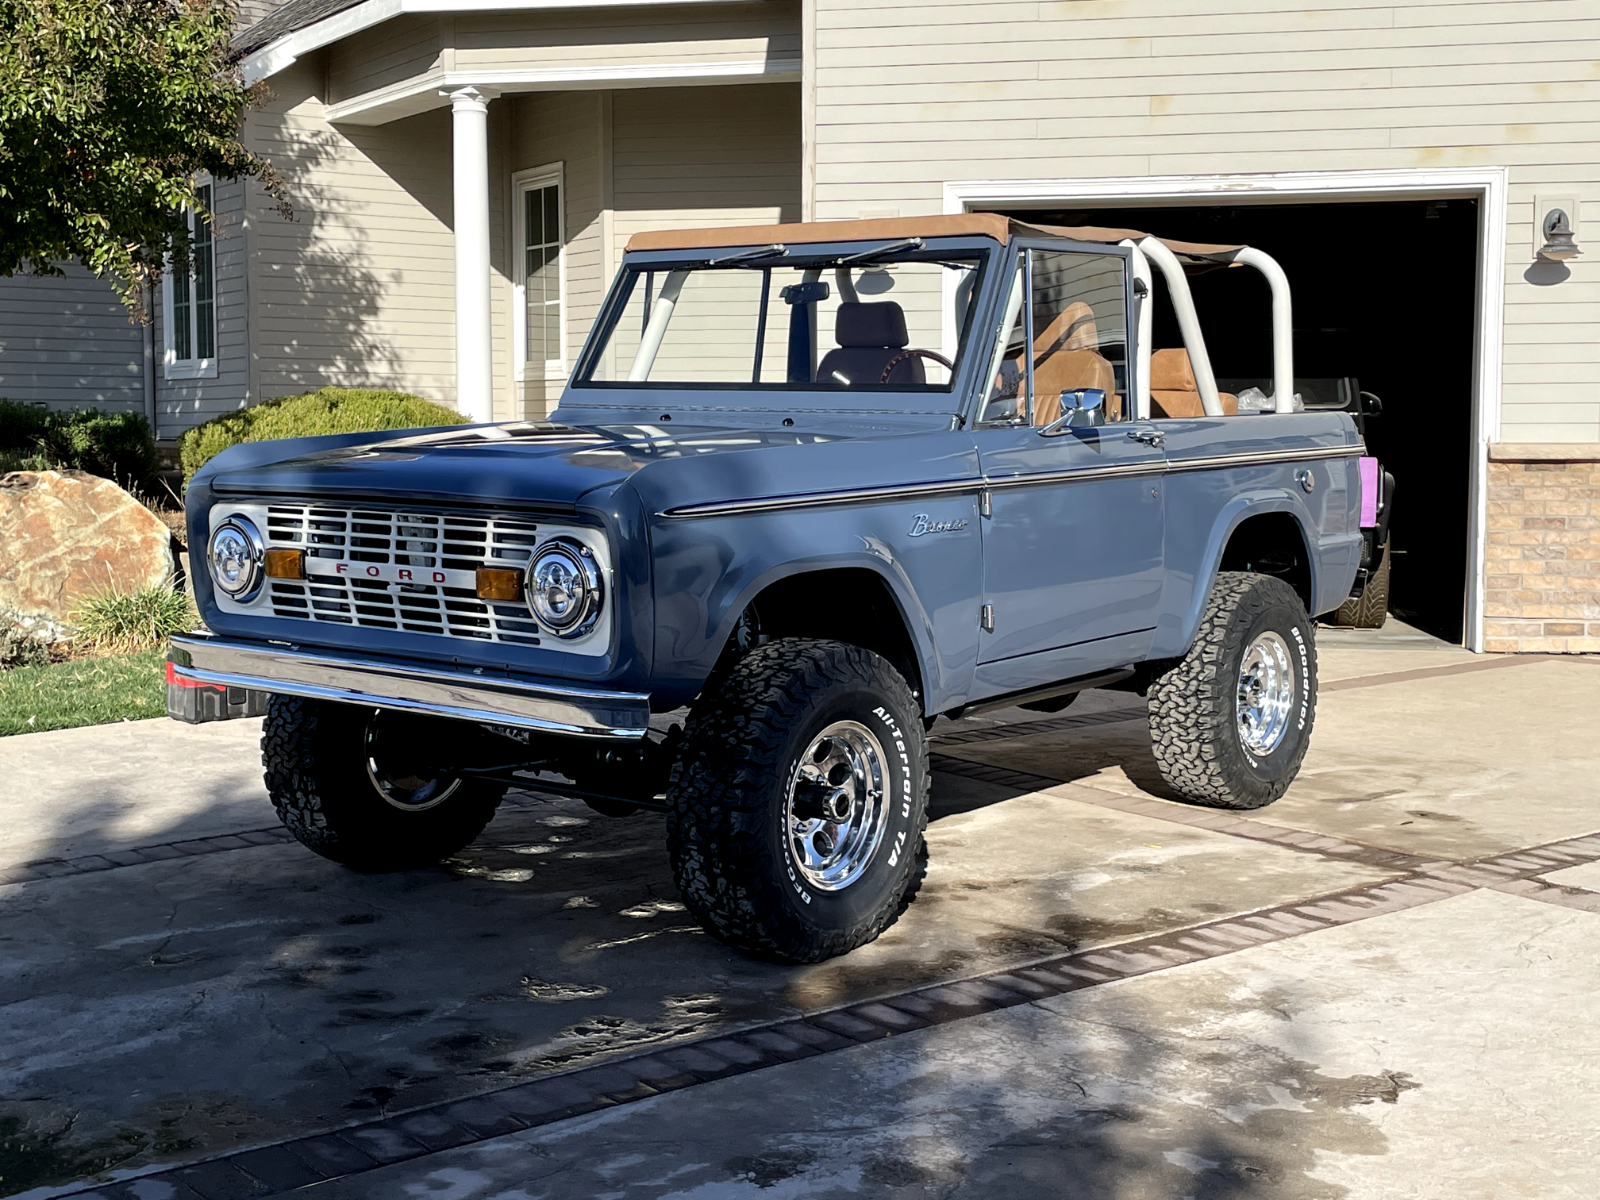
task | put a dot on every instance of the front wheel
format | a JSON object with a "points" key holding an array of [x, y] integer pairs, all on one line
{"points": [[354, 784], [798, 804], [1230, 723]]}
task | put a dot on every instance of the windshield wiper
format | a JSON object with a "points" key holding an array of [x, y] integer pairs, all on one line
{"points": [[912, 243], [776, 250]]}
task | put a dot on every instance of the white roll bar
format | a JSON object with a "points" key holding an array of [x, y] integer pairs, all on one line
{"points": [[1282, 326], [660, 314], [1188, 322], [1141, 272]]}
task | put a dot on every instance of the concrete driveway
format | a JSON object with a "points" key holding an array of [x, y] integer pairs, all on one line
{"points": [[1382, 985]]}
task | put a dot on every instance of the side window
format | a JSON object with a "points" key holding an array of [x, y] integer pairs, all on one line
{"points": [[540, 308], [191, 302], [1072, 324]]}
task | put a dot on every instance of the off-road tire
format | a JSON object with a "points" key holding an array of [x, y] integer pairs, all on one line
{"points": [[316, 774], [1194, 723], [730, 853], [1370, 609]]}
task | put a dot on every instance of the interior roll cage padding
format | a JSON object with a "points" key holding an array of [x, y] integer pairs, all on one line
{"points": [[1144, 302], [1194, 340], [1282, 325], [656, 330], [1156, 251]]}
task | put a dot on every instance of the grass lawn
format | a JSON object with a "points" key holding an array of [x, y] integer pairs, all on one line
{"points": [[90, 691]]}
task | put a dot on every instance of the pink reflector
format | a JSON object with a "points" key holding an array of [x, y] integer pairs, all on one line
{"points": [[1369, 493]]}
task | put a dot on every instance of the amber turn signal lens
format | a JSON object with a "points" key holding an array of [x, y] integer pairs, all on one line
{"points": [[285, 564], [499, 583]]}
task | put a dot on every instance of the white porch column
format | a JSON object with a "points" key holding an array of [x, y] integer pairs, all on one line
{"points": [[469, 127]]}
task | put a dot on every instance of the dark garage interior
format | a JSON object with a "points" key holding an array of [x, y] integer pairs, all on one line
{"points": [[1383, 291]]}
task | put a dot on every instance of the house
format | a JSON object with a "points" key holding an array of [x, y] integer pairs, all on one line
{"points": [[465, 173]]}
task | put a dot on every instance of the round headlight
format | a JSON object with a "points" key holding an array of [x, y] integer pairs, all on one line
{"points": [[235, 556], [564, 586]]}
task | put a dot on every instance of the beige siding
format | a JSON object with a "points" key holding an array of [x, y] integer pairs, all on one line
{"points": [[912, 95], [385, 54], [706, 156], [67, 342], [358, 289], [181, 403], [672, 36]]}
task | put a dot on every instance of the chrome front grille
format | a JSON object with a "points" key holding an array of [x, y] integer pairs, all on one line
{"points": [[432, 546]]}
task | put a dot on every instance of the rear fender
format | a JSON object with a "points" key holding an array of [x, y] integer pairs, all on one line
{"points": [[1187, 592]]}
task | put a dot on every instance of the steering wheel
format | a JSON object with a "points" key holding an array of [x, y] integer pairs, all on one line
{"points": [[905, 354]]}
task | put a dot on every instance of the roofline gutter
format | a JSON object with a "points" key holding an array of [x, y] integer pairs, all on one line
{"points": [[278, 55]]}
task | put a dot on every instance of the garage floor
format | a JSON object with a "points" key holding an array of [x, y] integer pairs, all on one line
{"points": [[1373, 988]]}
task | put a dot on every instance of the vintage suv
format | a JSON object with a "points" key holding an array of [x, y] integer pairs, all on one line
{"points": [[820, 484]]}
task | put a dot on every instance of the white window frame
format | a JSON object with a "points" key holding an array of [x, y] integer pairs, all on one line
{"points": [[192, 368], [521, 183]]}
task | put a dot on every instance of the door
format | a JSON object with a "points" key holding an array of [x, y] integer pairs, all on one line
{"points": [[1072, 541]]}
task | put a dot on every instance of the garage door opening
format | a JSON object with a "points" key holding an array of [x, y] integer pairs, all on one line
{"points": [[1384, 291]]}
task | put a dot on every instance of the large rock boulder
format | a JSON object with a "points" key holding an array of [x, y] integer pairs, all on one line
{"points": [[64, 536]]}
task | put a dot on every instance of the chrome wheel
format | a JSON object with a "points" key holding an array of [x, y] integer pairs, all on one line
{"points": [[837, 808], [399, 781], [1266, 693]]}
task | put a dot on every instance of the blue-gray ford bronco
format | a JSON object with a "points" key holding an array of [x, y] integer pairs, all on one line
{"points": [[818, 485]]}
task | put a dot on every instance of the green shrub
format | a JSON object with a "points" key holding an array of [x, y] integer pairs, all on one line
{"points": [[331, 410], [113, 445], [126, 622]]}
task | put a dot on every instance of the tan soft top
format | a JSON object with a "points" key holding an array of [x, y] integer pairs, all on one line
{"points": [[993, 225]]}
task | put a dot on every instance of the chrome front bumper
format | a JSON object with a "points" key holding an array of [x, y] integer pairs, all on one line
{"points": [[465, 694]]}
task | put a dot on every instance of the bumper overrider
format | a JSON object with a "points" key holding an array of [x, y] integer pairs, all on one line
{"points": [[471, 694]]}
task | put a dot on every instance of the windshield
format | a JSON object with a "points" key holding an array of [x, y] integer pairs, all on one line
{"points": [[874, 318]]}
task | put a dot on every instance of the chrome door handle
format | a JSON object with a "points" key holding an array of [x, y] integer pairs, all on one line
{"points": [[1150, 437]]}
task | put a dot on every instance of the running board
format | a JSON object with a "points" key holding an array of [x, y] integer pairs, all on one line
{"points": [[1049, 692]]}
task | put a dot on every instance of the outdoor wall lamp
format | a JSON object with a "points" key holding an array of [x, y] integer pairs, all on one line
{"points": [[1559, 242]]}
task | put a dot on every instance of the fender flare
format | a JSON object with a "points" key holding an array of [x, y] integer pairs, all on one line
{"points": [[913, 617], [1238, 510]]}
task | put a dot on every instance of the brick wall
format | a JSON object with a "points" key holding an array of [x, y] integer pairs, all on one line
{"points": [[1543, 555]]}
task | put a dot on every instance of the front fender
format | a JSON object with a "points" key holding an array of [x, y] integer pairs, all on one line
{"points": [[707, 571]]}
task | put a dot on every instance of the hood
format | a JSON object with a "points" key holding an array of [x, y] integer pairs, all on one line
{"points": [[532, 463]]}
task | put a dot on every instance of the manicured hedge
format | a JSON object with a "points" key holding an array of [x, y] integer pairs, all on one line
{"points": [[113, 445], [331, 410]]}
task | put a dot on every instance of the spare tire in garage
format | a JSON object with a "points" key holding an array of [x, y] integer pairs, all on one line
{"points": [[1371, 608]]}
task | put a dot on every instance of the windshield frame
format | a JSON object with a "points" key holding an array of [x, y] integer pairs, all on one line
{"points": [[585, 391]]}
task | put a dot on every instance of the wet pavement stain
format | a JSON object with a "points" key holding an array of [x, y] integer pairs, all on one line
{"points": [[769, 1170], [45, 1146]]}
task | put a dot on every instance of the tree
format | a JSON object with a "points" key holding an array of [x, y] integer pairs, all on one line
{"points": [[108, 110]]}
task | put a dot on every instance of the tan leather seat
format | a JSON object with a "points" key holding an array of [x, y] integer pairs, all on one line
{"points": [[1072, 329], [1173, 390], [1068, 371]]}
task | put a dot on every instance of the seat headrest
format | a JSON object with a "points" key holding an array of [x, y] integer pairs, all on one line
{"points": [[878, 325], [1171, 371]]}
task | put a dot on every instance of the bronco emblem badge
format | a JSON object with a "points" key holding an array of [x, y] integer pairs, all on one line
{"points": [[921, 526]]}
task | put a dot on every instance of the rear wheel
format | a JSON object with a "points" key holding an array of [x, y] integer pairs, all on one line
{"points": [[354, 784], [798, 804], [1230, 723]]}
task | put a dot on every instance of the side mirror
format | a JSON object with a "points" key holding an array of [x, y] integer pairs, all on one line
{"points": [[1371, 404], [1084, 406]]}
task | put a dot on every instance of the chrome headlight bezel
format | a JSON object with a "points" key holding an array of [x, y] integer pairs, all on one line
{"points": [[242, 534], [563, 567]]}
